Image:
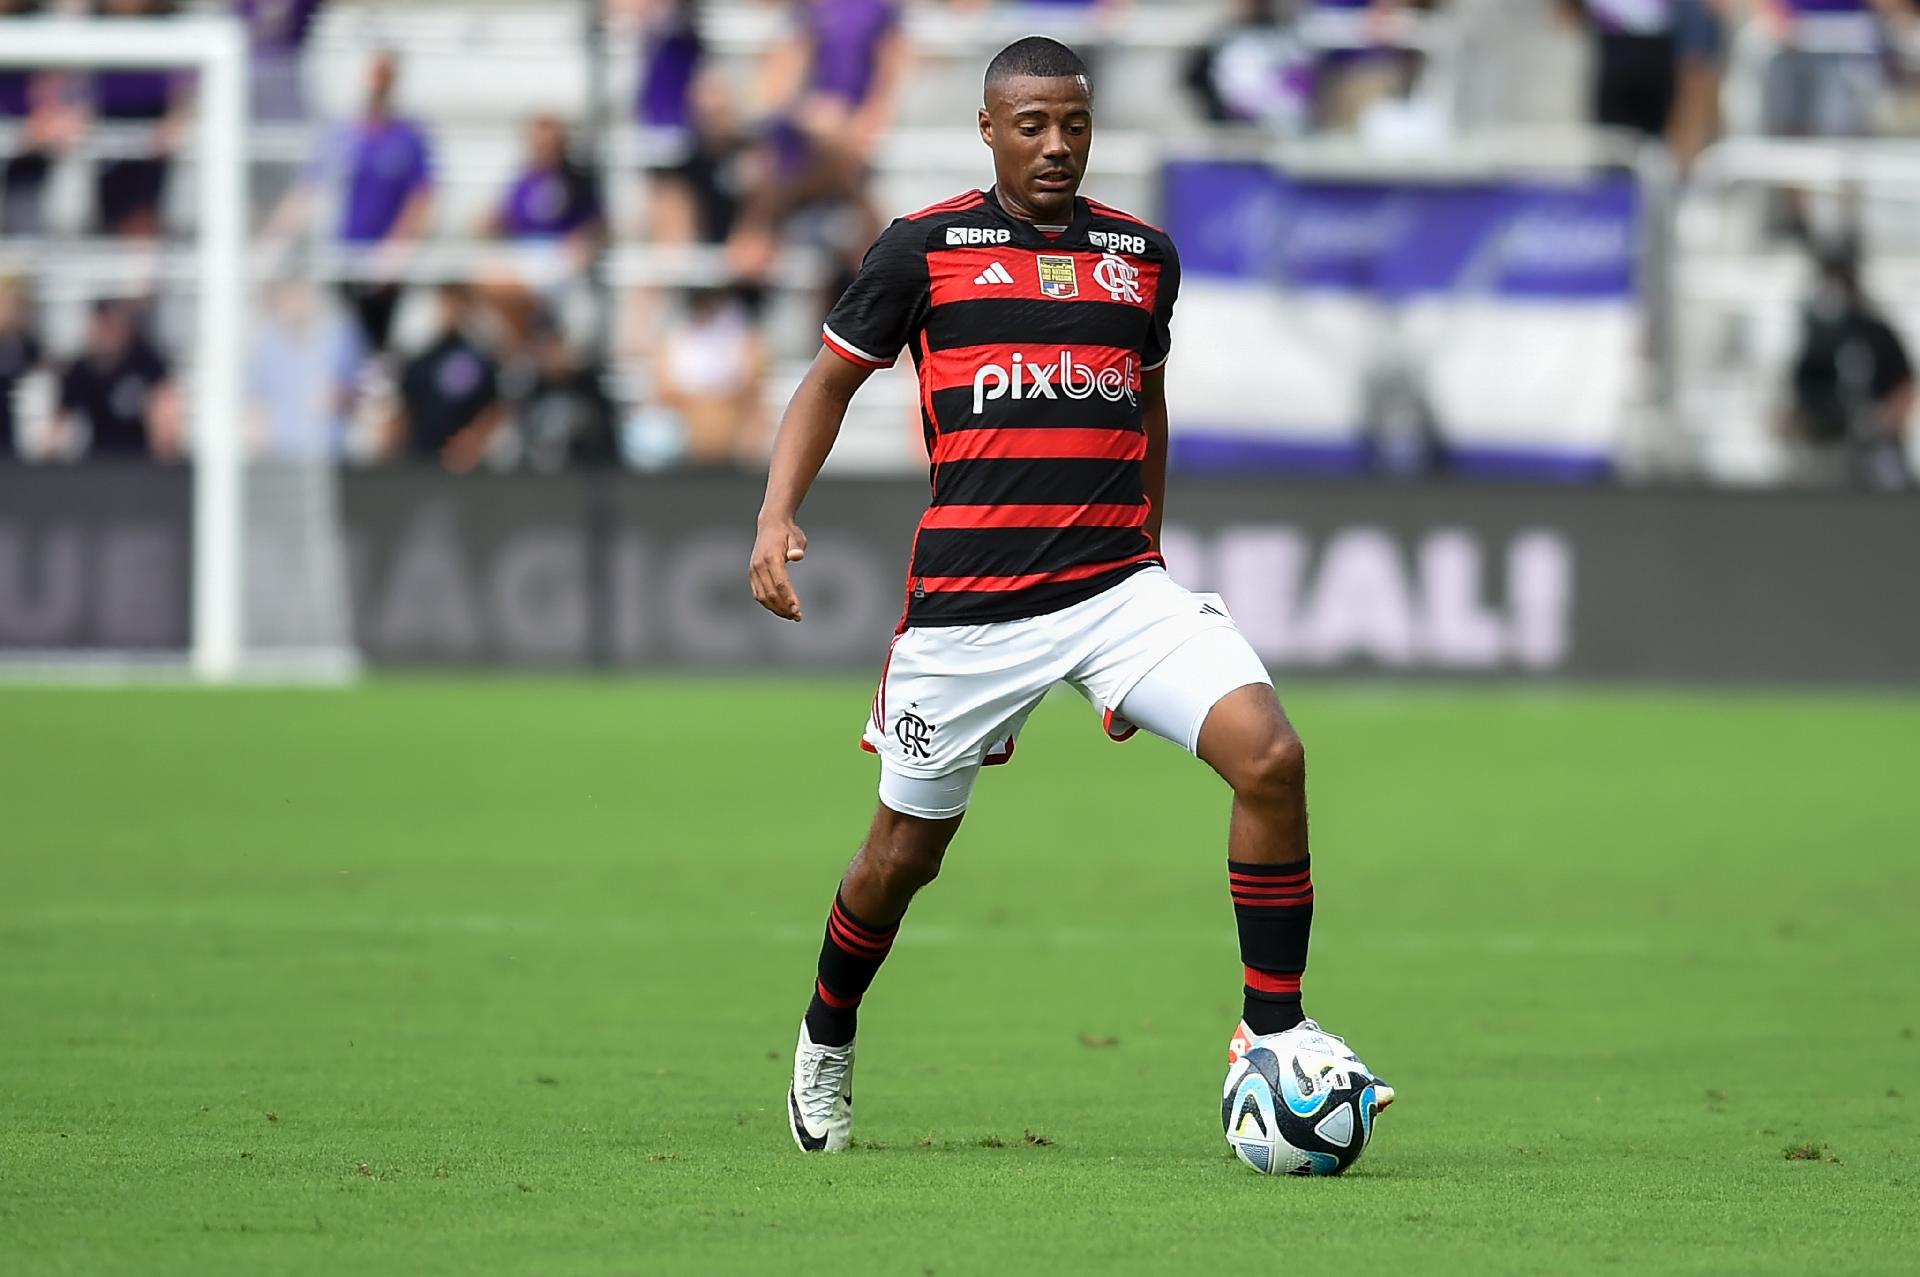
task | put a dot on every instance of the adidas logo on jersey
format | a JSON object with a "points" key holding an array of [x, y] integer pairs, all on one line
{"points": [[994, 274]]}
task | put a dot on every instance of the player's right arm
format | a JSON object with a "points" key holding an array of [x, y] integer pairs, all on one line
{"points": [[807, 431], [869, 326]]}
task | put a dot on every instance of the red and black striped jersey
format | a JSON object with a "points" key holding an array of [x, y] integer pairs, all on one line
{"points": [[1030, 347]]}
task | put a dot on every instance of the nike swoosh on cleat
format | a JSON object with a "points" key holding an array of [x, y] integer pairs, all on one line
{"points": [[811, 1143]]}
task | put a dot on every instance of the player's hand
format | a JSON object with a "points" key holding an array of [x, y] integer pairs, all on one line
{"points": [[778, 544]]}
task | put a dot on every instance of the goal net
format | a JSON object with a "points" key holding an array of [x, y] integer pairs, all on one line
{"points": [[257, 587]]}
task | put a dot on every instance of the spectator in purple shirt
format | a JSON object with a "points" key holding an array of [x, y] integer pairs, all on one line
{"points": [[129, 191], [671, 56], [551, 213], [554, 198], [832, 85], [382, 170]]}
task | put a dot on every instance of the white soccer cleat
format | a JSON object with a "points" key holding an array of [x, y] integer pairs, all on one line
{"points": [[1308, 1036], [820, 1098]]}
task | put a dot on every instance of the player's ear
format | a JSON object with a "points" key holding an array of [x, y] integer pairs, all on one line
{"points": [[986, 127]]}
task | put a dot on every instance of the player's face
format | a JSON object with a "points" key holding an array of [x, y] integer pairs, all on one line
{"points": [[1040, 131]]}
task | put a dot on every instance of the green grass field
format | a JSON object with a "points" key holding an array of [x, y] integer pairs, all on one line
{"points": [[503, 977]]}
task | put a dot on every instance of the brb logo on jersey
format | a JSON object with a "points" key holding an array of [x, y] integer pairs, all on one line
{"points": [[1066, 376], [1117, 242], [1120, 277], [961, 236]]}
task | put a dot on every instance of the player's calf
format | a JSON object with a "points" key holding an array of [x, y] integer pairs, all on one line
{"points": [[1248, 740]]}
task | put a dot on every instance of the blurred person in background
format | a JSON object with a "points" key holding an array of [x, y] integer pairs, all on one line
{"points": [[1636, 62], [117, 400], [1828, 78], [32, 105], [551, 213], [302, 374], [711, 375], [20, 357], [1256, 69], [671, 57], [1657, 66], [1829, 74], [450, 408], [698, 199], [565, 419], [130, 192], [382, 168], [1700, 40], [686, 109], [1852, 383], [831, 87], [1350, 80], [277, 33]]}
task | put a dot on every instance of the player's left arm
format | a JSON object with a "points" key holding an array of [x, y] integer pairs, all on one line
{"points": [[1153, 470]]}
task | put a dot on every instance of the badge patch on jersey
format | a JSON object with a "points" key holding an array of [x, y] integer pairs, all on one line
{"points": [[1058, 278]]}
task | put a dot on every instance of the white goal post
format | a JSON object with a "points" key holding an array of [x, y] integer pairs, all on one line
{"points": [[215, 48]]}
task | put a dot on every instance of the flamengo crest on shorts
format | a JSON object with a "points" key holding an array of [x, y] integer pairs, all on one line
{"points": [[1031, 350]]}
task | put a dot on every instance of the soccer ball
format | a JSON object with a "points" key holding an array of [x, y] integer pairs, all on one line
{"points": [[1299, 1107]]}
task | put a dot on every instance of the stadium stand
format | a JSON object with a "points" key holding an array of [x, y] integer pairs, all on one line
{"points": [[1502, 86]]}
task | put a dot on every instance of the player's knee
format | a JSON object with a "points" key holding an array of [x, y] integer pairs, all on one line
{"points": [[904, 865], [1275, 772]]}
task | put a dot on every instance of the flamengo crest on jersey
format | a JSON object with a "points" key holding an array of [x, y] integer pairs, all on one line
{"points": [[1031, 348], [1120, 277]]}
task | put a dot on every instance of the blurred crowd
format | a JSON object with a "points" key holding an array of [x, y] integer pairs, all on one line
{"points": [[511, 360]]}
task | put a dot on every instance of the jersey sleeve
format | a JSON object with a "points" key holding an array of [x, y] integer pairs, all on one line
{"points": [[1160, 340], [886, 302]]}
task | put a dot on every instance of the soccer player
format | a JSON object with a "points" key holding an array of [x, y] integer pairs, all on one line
{"points": [[1038, 322]]}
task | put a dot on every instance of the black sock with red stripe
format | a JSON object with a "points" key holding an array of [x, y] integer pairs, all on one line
{"points": [[849, 959], [1274, 906]]}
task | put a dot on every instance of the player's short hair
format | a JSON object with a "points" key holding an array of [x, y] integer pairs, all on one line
{"points": [[1036, 56]]}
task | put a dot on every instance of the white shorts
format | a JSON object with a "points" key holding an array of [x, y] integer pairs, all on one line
{"points": [[952, 699]]}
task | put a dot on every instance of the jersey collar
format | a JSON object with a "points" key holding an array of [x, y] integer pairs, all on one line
{"points": [[1030, 235]]}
